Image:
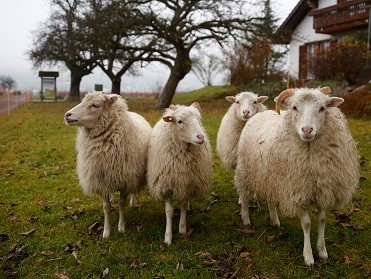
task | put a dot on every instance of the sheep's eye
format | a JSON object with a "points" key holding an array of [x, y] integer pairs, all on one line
{"points": [[321, 109], [255, 102], [94, 106], [180, 121], [295, 108], [237, 102]]}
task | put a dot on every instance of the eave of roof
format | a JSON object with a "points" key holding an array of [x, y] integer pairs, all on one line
{"points": [[292, 21]]}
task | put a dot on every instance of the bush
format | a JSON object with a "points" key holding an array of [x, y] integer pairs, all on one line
{"points": [[358, 104], [342, 61]]}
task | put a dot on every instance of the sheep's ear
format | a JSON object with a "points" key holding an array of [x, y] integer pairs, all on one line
{"points": [[231, 99], [197, 106], [334, 102], [326, 90], [281, 100], [173, 107], [113, 98], [262, 99], [167, 118]]}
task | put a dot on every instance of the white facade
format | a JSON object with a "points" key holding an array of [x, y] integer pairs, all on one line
{"points": [[303, 33]]}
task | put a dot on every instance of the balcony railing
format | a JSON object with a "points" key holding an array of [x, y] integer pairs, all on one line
{"points": [[341, 17]]}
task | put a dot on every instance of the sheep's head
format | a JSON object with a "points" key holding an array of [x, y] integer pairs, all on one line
{"points": [[87, 113], [186, 123], [307, 109], [246, 104]]}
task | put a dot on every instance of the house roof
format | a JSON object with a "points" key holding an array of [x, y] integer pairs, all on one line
{"points": [[292, 21]]}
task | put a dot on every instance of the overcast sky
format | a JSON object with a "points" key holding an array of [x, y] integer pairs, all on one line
{"points": [[20, 17]]}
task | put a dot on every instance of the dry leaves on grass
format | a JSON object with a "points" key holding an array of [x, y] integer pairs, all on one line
{"points": [[137, 264], [95, 229], [30, 232], [73, 247], [16, 252]]}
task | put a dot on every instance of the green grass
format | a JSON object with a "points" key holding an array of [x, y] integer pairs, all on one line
{"points": [[39, 190]]}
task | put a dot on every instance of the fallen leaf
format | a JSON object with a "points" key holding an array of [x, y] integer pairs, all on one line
{"points": [[271, 238], [105, 273], [188, 234], [47, 253], [248, 231], [208, 263], [74, 254], [345, 259], [245, 256], [95, 228], [63, 276], [179, 267], [137, 264], [204, 255], [29, 232]]}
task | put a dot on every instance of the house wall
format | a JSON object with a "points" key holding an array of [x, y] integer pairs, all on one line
{"points": [[304, 33]]}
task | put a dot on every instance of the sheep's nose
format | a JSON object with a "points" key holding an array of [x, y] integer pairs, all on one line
{"points": [[68, 114], [246, 113], [307, 130], [201, 138]]}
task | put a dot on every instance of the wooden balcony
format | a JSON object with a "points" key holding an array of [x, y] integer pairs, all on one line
{"points": [[346, 15]]}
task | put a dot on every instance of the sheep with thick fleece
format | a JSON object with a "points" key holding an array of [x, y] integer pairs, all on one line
{"points": [[112, 145], [301, 157], [244, 106], [179, 161]]}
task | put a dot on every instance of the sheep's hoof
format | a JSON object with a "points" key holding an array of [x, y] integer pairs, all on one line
{"points": [[323, 254], [275, 224], [121, 229], [309, 262], [106, 234], [167, 242], [182, 230]]}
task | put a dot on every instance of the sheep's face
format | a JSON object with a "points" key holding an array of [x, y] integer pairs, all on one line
{"points": [[246, 104], [87, 113], [307, 108], [186, 123]]}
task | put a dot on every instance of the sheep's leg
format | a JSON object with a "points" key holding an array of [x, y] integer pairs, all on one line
{"points": [[273, 216], [307, 250], [169, 211], [245, 212], [106, 211], [133, 200], [122, 205], [321, 246], [183, 215]]}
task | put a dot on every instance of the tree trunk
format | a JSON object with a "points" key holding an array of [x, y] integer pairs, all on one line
{"points": [[75, 87], [182, 66], [116, 86]]}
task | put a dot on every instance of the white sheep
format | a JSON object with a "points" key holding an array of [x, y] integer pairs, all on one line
{"points": [[179, 161], [111, 145], [244, 106], [305, 156]]}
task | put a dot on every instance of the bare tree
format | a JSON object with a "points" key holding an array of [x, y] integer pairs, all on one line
{"points": [[115, 33], [7, 83], [206, 67], [62, 39], [181, 25]]}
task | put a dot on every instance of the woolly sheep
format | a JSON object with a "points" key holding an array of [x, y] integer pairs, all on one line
{"points": [[305, 156], [179, 161], [111, 145], [244, 106]]}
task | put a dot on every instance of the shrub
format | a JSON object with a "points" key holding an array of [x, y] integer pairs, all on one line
{"points": [[342, 61]]}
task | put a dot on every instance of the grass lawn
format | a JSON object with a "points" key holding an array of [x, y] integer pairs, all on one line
{"points": [[49, 229]]}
